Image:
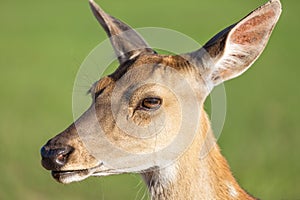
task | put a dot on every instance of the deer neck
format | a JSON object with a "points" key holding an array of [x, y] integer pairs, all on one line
{"points": [[192, 177]]}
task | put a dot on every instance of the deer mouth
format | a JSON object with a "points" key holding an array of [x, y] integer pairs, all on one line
{"points": [[68, 176]]}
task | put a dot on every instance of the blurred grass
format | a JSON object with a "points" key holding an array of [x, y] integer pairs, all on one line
{"points": [[42, 44]]}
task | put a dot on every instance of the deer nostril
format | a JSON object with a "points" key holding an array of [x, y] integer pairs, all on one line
{"points": [[55, 157], [61, 158]]}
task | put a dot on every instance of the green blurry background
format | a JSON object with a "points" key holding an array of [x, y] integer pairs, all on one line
{"points": [[42, 44]]}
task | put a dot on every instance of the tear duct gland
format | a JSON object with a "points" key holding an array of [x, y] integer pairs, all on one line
{"points": [[230, 53]]}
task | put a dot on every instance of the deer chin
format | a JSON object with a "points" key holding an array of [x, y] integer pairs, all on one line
{"points": [[69, 176]]}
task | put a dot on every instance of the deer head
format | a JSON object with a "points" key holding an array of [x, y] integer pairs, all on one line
{"points": [[138, 109]]}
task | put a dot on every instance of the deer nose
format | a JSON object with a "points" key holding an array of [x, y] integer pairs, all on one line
{"points": [[53, 158]]}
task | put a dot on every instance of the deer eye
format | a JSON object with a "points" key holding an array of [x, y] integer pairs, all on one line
{"points": [[151, 103]]}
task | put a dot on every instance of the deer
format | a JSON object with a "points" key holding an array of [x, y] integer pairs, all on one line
{"points": [[142, 93]]}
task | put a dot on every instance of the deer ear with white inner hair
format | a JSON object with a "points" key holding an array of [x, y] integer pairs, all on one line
{"points": [[126, 42], [236, 48]]}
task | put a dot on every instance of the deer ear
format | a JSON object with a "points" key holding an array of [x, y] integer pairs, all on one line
{"points": [[126, 42], [234, 50]]}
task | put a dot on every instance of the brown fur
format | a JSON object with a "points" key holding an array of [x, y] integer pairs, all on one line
{"points": [[119, 96], [190, 167]]}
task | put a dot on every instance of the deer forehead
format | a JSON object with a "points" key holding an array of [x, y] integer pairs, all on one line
{"points": [[150, 72]]}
